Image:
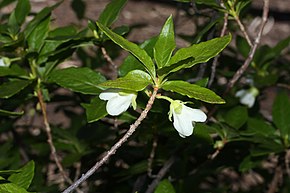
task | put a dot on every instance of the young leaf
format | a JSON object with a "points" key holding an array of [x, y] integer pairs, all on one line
{"points": [[8, 187], [197, 53], [83, 80], [22, 10], [165, 44], [132, 48], [135, 80], [193, 91], [164, 187], [95, 110], [10, 113], [281, 114], [24, 178], [38, 35], [111, 12], [10, 88]]}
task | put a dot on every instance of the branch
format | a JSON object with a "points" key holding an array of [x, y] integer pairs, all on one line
{"points": [[215, 61], [243, 29], [151, 157], [243, 68], [110, 61], [49, 138], [114, 148], [278, 176], [161, 174]]}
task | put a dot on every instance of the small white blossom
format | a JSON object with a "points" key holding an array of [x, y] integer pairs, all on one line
{"points": [[118, 102], [2, 63], [247, 97], [184, 117]]}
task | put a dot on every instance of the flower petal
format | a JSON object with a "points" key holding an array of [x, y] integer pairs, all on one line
{"points": [[248, 99], [108, 95], [195, 115], [182, 124], [118, 104]]}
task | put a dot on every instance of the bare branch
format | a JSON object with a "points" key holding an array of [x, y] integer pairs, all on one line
{"points": [[243, 29], [243, 68], [278, 176], [117, 145], [151, 156], [113, 66]]}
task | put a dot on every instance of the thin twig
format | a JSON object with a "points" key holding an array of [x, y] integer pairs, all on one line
{"points": [[49, 139], [110, 61], [243, 68], [276, 180], [215, 61], [167, 165], [117, 145], [151, 156], [243, 29]]}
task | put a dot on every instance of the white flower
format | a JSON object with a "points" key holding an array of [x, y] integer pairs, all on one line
{"points": [[2, 63], [118, 102], [184, 117], [248, 97]]}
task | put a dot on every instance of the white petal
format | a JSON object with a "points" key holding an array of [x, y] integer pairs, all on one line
{"points": [[248, 99], [108, 95], [118, 104], [195, 115], [2, 62], [241, 93], [182, 124]]}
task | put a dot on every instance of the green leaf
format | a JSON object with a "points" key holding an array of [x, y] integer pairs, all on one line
{"points": [[111, 12], [44, 13], [8, 187], [281, 114], [165, 44], [95, 110], [24, 178], [131, 63], [9, 172], [135, 80], [164, 187], [261, 127], [10, 113], [13, 70], [38, 35], [132, 48], [193, 91], [83, 80], [22, 10], [12, 87], [237, 117], [197, 53]]}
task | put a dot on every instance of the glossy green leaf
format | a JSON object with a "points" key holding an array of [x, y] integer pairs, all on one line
{"points": [[131, 63], [24, 178], [12, 87], [7, 187], [197, 53], [281, 114], [164, 187], [44, 13], [83, 80], [95, 110], [8, 172], [261, 127], [132, 48], [13, 70], [111, 12], [165, 44], [237, 117], [10, 113], [193, 91], [38, 35], [135, 80], [22, 10]]}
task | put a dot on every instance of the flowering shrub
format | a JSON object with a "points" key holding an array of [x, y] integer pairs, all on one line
{"points": [[224, 131]]}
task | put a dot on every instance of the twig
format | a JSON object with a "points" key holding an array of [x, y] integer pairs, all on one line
{"points": [[243, 29], [215, 61], [243, 68], [151, 156], [276, 180], [110, 61], [117, 145], [49, 139], [161, 174]]}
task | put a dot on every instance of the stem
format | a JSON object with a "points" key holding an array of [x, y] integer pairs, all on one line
{"points": [[243, 68], [49, 137], [243, 29], [117, 145], [151, 156], [110, 61]]}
